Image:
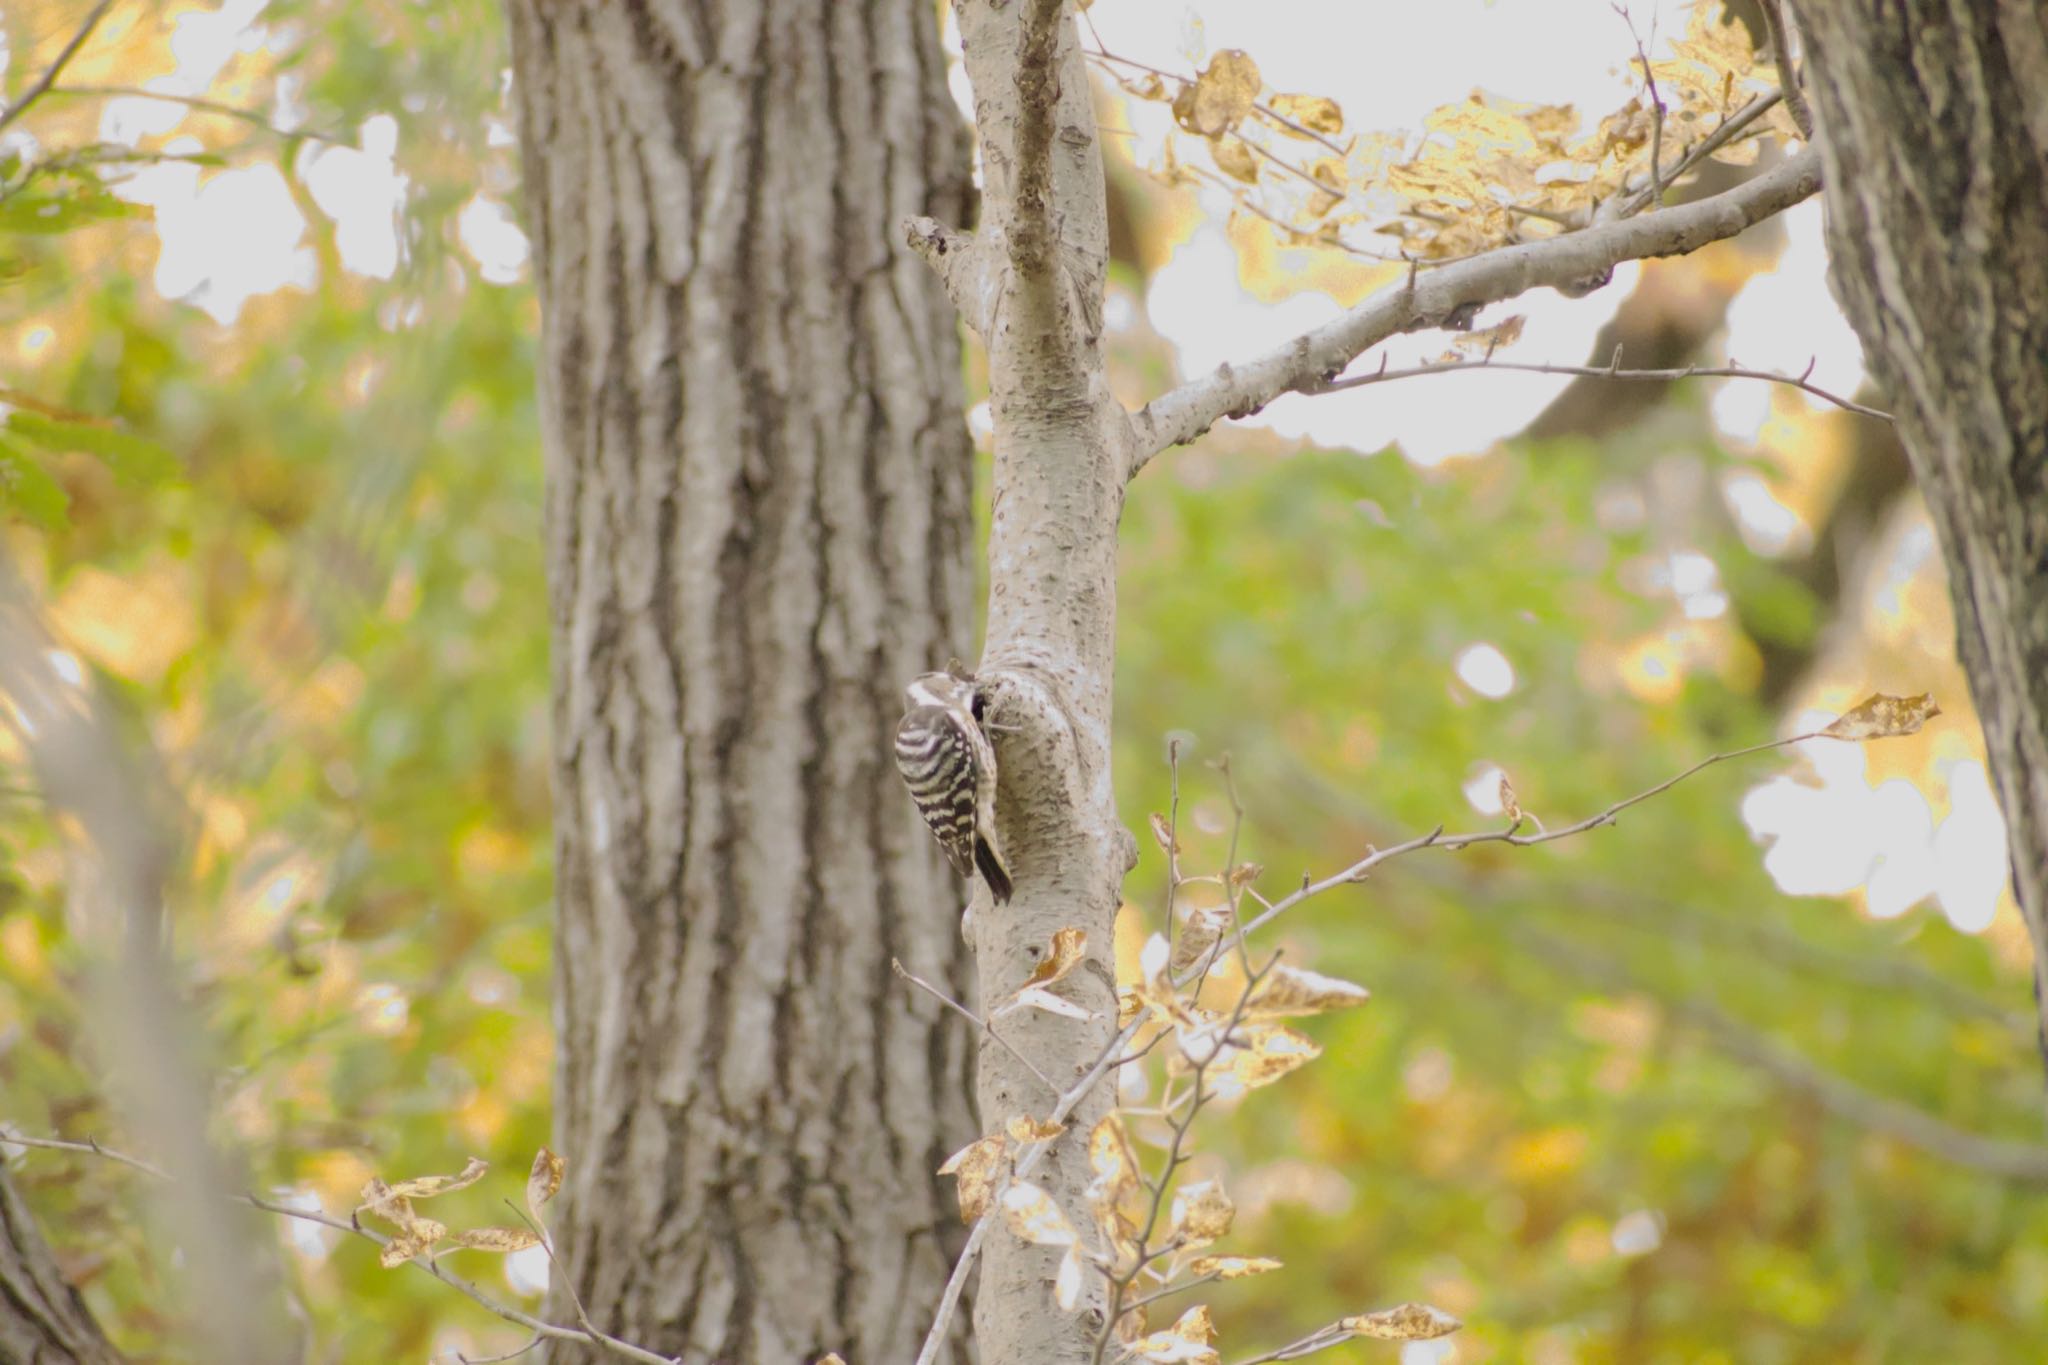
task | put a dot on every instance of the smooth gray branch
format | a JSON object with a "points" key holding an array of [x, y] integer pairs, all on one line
{"points": [[1428, 300]]}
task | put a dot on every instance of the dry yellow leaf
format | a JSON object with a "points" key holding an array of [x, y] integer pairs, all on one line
{"points": [[1295, 990], [1233, 156], [1259, 1054], [543, 1180], [1316, 113], [1030, 1213], [1147, 87], [1409, 1322], [1202, 1212], [1062, 955], [1116, 1196], [1203, 925], [415, 1239], [974, 1169], [1024, 1128], [1490, 339], [1231, 1267], [1881, 717], [1218, 99], [1188, 1342], [427, 1186], [1162, 832], [497, 1239]]}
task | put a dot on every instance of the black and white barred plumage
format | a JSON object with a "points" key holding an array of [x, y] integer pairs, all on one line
{"points": [[950, 766]]}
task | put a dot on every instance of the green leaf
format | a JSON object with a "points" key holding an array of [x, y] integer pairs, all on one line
{"points": [[29, 490], [134, 459], [45, 214]]}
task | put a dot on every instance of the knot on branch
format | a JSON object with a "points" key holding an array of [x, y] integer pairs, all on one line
{"points": [[930, 238], [1037, 751]]}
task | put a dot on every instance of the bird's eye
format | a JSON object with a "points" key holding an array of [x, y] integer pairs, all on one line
{"points": [[978, 705]]}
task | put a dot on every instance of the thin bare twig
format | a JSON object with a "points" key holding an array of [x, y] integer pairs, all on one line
{"points": [[1170, 1290], [1788, 75], [1436, 838], [1656, 100], [1266, 111], [510, 1314], [199, 105], [1701, 150], [42, 83], [949, 1301], [1609, 371], [981, 1025], [1172, 832], [1176, 1152], [514, 1354]]}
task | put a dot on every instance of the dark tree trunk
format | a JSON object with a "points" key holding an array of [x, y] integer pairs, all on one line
{"points": [[1933, 126], [42, 1321], [758, 529]]}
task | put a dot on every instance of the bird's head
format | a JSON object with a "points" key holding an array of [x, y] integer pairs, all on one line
{"points": [[939, 689]]}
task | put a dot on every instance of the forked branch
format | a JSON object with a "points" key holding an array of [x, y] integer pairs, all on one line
{"points": [[1426, 300]]}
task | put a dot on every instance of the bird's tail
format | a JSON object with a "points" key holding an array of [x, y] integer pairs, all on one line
{"points": [[992, 871]]}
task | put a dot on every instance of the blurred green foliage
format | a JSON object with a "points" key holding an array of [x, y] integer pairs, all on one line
{"points": [[305, 550]]}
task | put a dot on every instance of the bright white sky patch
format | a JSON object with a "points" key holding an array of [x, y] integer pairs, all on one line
{"points": [[1768, 526], [1482, 791], [1784, 319], [362, 191], [493, 240], [1970, 850], [1834, 836], [226, 239], [308, 1239], [1486, 671], [526, 1272], [1439, 1352]]}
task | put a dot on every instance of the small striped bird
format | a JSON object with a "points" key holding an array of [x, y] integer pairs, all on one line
{"points": [[951, 769]]}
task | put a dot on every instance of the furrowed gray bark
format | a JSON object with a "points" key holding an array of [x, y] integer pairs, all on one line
{"points": [[1933, 125], [758, 529], [42, 1319], [1031, 281]]}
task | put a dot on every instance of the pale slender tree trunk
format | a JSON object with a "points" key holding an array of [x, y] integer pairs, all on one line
{"points": [[1933, 127], [1031, 282], [42, 1321], [758, 529]]}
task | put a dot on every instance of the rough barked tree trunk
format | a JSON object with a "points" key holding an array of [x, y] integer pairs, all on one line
{"points": [[1933, 127], [42, 1321], [758, 529]]}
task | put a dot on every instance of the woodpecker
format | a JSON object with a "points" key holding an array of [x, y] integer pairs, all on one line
{"points": [[950, 766]]}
